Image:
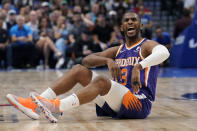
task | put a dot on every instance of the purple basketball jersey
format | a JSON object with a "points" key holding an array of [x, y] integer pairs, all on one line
{"points": [[126, 58]]}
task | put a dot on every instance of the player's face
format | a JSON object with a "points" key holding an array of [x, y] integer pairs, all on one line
{"points": [[131, 25]]}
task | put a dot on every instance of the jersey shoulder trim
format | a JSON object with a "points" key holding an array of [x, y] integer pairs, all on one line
{"points": [[121, 46]]}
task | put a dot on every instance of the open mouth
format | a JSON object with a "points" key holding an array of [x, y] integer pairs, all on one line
{"points": [[131, 29]]}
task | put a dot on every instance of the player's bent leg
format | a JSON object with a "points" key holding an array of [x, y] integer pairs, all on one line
{"points": [[100, 85], [77, 74]]}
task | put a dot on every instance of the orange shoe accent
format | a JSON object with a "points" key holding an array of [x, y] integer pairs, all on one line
{"points": [[27, 102], [55, 102], [130, 101]]}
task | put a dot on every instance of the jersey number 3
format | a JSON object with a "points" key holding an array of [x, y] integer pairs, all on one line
{"points": [[124, 76]]}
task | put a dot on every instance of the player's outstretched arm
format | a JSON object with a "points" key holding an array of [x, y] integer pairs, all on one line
{"points": [[100, 58], [153, 54], [105, 57]]}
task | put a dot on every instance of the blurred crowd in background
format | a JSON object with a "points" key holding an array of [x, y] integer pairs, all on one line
{"points": [[60, 33]]}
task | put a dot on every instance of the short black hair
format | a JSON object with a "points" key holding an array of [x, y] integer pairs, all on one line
{"points": [[133, 13]]}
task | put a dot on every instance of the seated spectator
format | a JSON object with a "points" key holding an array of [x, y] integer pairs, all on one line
{"points": [[54, 16], [182, 23], [163, 38], [102, 32], [22, 46], [4, 41], [25, 11], [45, 9], [7, 6], [94, 12], [119, 6], [147, 23], [61, 35], [136, 9], [11, 19], [117, 37], [102, 9], [64, 8], [33, 23], [3, 15], [45, 43], [78, 25]]}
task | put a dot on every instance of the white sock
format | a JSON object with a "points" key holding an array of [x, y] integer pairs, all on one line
{"points": [[48, 94], [69, 102]]}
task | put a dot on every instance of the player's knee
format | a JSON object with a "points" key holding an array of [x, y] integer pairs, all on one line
{"points": [[103, 84], [78, 68]]}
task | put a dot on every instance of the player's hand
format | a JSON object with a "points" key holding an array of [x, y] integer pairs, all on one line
{"points": [[135, 79], [114, 69]]}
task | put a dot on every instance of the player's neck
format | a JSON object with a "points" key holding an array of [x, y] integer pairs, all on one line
{"points": [[132, 41]]}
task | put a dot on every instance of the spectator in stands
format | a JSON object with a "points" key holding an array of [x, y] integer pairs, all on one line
{"points": [[130, 4], [87, 20], [163, 38], [61, 35], [54, 16], [3, 15], [64, 8], [34, 23], [108, 4], [78, 26], [77, 8], [6, 5], [102, 10], [22, 46], [182, 23], [190, 5], [120, 7], [102, 32], [4, 41], [94, 12], [45, 9], [25, 11], [140, 3], [11, 19], [117, 37], [39, 14], [45, 43], [56, 4], [146, 21]]}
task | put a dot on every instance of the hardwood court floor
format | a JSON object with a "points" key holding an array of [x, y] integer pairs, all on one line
{"points": [[169, 112]]}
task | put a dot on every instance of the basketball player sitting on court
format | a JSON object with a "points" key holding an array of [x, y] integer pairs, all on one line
{"points": [[133, 66]]}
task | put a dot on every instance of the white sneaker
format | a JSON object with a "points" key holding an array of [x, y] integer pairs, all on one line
{"points": [[50, 108], [59, 63], [25, 105]]}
